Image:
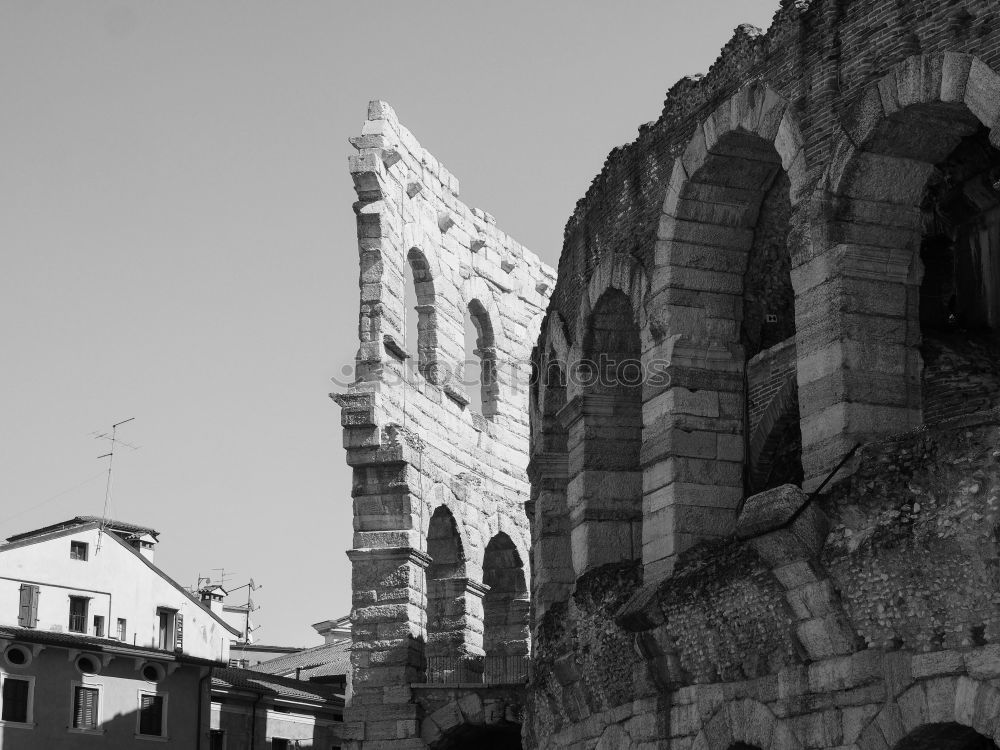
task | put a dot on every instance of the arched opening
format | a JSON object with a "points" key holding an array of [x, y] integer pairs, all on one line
{"points": [[607, 518], [503, 735], [479, 369], [742, 746], [767, 333], [447, 610], [945, 736], [960, 290], [420, 329], [505, 613], [722, 279], [908, 259]]}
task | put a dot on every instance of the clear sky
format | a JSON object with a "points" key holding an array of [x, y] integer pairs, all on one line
{"points": [[177, 242]]}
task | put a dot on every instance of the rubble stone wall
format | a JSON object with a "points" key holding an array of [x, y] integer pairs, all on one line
{"points": [[418, 450], [849, 629]]}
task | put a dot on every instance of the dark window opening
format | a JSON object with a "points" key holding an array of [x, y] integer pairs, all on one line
{"points": [[151, 715], [14, 700]]}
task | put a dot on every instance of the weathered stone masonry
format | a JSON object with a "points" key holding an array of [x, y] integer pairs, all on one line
{"points": [[807, 242], [441, 561]]}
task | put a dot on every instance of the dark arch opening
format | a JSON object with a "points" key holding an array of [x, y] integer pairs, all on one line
{"points": [[446, 611], [505, 613], [479, 369], [743, 746], [767, 333], [612, 377], [420, 330], [501, 736], [945, 736], [960, 290]]}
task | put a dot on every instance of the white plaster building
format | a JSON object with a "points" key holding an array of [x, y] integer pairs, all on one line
{"points": [[96, 640]]}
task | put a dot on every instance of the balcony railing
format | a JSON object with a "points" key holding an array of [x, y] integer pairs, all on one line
{"points": [[498, 669]]}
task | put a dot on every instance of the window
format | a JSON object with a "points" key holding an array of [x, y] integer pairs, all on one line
{"points": [[78, 550], [277, 743], [86, 702], [16, 699], [27, 613], [78, 614], [99, 626], [120, 629], [216, 739], [168, 632], [151, 714]]}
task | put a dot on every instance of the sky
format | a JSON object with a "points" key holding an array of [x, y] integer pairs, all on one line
{"points": [[177, 242]]}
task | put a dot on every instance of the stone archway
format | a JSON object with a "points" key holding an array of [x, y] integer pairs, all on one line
{"points": [[859, 341], [730, 204], [745, 724], [934, 707]]}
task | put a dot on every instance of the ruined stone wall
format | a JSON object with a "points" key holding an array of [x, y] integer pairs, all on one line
{"points": [[773, 620], [853, 104], [779, 639], [434, 481]]}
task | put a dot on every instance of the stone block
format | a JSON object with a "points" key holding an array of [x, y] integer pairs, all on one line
{"points": [[937, 663]]}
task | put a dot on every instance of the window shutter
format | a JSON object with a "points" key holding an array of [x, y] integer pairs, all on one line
{"points": [[179, 632], [24, 610], [85, 710], [33, 610]]}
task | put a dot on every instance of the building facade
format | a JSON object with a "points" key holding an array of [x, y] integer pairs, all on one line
{"points": [[99, 647]]}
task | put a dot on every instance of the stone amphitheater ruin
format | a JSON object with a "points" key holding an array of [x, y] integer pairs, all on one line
{"points": [[781, 529]]}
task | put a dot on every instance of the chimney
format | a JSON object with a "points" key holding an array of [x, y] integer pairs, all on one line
{"points": [[212, 597]]}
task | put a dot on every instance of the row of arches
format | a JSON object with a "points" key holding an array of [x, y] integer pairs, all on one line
{"points": [[472, 370], [476, 630], [792, 316]]}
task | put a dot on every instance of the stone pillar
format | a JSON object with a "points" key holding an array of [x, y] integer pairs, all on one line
{"points": [[858, 339], [552, 564], [692, 452], [603, 495], [457, 645], [387, 653]]}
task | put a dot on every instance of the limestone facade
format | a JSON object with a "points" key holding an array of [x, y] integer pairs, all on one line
{"points": [[801, 255], [441, 553]]}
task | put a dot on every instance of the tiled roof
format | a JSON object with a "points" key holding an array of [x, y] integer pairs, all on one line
{"points": [[119, 526], [91, 643], [269, 684], [328, 660]]}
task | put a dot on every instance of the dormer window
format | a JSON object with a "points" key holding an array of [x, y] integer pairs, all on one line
{"points": [[78, 550]]}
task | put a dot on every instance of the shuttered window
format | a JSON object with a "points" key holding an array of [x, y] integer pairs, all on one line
{"points": [[27, 613], [85, 707], [151, 715], [14, 700]]}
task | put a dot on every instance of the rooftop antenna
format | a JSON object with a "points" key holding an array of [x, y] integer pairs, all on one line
{"points": [[110, 455]]}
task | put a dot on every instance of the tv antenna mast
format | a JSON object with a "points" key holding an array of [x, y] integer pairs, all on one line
{"points": [[110, 455]]}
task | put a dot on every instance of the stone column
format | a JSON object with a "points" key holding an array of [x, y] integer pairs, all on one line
{"points": [[387, 653], [456, 654], [552, 565], [692, 450], [858, 339], [605, 514]]}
